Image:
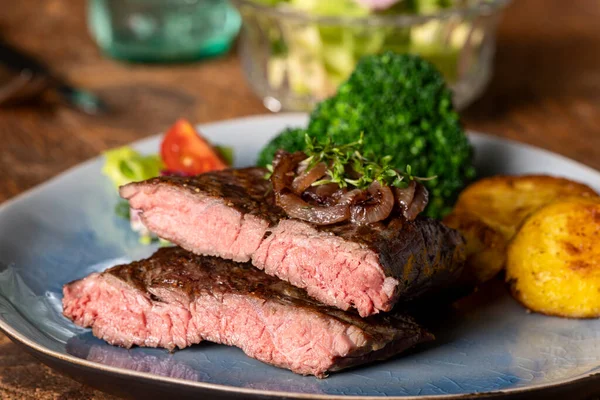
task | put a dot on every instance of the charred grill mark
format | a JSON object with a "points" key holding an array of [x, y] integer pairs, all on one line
{"points": [[245, 190]]}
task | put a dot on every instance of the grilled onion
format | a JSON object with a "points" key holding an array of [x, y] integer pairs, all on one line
{"points": [[295, 207], [377, 204], [307, 178], [329, 203], [404, 196], [418, 204], [327, 194], [284, 165]]}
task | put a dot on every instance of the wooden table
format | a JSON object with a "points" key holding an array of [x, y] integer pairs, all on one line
{"points": [[546, 91]]}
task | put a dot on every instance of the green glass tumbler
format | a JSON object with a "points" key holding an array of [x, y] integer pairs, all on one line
{"points": [[163, 30]]}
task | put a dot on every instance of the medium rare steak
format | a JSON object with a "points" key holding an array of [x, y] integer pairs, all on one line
{"points": [[231, 214], [176, 299]]}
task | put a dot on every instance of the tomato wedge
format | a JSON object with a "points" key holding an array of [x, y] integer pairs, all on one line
{"points": [[183, 150]]}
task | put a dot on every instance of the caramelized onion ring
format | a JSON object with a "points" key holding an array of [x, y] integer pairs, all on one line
{"points": [[282, 178], [376, 207], [327, 194], [418, 203], [329, 204], [284, 165], [404, 196], [295, 207], [352, 197], [307, 178]]}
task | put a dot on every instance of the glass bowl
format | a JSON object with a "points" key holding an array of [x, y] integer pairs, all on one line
{"points": [[294, 59]]}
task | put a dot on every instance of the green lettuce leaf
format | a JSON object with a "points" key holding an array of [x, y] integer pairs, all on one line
{"points": [[124, 165]]}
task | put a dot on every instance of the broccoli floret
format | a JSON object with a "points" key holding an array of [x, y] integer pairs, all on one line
{"points": [[291, 139], [404, 108]]}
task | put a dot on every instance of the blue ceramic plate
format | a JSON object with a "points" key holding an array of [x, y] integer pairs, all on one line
{"points": [[66, 228]]}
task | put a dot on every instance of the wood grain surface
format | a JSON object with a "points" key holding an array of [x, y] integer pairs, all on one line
{"points": [[545, 91]]}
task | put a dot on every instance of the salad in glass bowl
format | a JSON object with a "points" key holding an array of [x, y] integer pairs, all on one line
{"points": [[297, 52]]}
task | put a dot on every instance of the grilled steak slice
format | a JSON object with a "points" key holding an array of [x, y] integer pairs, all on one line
{"points": [[176, 299], [223, 214], [231, 214]]}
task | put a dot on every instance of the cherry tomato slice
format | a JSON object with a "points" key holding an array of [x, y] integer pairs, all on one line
{"points": [[184, 150]]}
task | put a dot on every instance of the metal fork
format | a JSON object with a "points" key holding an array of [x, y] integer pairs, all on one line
{"points": [[28, 78]]}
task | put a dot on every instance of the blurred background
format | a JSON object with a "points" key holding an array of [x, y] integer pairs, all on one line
{"points": [[78, 77], [121, 70]]}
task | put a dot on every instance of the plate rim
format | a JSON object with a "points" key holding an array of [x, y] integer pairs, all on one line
{"points": [[15, 335]]}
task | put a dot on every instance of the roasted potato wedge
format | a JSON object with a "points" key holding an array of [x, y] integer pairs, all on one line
{"points": [[503, 202], [553, 262], [485, 249]]}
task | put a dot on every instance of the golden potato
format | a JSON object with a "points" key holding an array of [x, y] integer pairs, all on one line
{"points": [[485, 249], [553, 262], [503, 202]]}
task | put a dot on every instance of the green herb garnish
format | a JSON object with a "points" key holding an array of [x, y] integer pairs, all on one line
{"points": [[347, 166]]}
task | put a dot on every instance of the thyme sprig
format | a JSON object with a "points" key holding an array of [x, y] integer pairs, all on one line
{"points": [[346, 165]]}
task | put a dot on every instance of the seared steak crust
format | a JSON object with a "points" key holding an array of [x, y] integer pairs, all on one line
{"points": [[231, 214], [175, 299], [246, 190], [421, 255]]}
